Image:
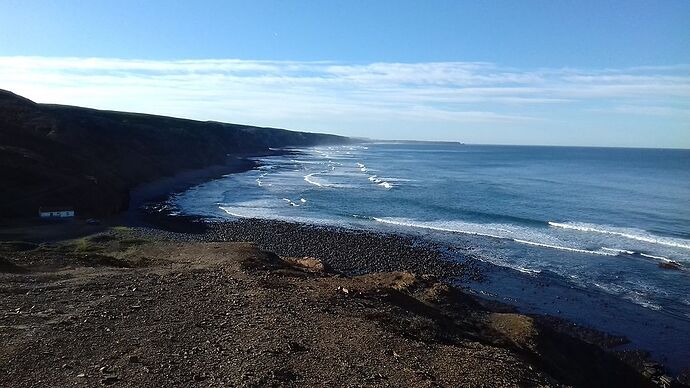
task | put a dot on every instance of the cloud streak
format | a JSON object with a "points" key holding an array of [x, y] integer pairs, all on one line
{"points": [[345, 97]]}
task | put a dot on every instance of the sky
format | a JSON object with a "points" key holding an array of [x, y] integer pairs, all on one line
{"points": [[600, 73]]}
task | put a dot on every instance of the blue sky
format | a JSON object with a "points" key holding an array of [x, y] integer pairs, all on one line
{"points": [[509, 72]]}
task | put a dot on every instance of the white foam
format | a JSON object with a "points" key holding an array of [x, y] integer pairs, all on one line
{"points": [[381, 182], [633, 234], [617, 250], [610, 288], [305, 161], [312, 179], [302, 200], [309, 179], [639, 300], [259, 182], [562, 248], [411, 224], [290, 202], [512, 266], [488, 230], [231, 211], [657, 257], [518, 268], [397, 180]]}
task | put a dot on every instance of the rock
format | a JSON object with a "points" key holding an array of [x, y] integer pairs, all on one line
{"points": [[198, 377], [673, 265], [665, 381], [110, 379], [296, 347], [310, 264]]}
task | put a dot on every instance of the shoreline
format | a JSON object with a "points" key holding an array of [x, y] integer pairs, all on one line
{"points": [[160, 190], [359, 252], [348, 251]]}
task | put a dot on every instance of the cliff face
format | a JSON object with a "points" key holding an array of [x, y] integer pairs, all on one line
{"points": [[89, 159]]}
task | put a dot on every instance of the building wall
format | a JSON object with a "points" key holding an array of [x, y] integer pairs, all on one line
{"points": [[61, 214]]}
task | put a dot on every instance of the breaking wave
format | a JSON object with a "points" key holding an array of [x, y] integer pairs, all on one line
{"points": [[309, 178], [381, 182], [498, 231], [633, 234]]}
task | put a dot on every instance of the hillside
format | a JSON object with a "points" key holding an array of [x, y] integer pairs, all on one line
{"points": [[54, 155]]}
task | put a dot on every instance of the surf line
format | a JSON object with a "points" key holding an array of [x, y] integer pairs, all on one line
{"points": [[651, 240], [519, 241]]}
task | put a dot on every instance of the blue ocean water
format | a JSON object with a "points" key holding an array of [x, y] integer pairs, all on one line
{"points": [[588, 226]]}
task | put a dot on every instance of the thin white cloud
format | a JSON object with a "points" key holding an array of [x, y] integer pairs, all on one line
{"points": [[325, 95]]}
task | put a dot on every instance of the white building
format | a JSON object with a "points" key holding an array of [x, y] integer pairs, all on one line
{"points": [[56, 212]]}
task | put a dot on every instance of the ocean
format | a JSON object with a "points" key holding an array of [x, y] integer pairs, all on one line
{"points": [[580, 233]]}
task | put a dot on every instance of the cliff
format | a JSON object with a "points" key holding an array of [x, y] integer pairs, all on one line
{"points": [[90, 159]]}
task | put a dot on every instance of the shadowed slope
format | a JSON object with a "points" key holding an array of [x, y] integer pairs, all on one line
{"points": [[87, 158]]}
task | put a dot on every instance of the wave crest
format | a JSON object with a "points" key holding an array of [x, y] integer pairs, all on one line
{"points": [[633, 234]]}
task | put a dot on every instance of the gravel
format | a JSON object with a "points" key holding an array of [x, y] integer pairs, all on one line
{"points": [[351, 252]]}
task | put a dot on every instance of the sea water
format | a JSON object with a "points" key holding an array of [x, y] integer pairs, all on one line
{"points": [[569, 231]]}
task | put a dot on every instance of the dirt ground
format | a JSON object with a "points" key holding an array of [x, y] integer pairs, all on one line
{"points": [[115, 310]]}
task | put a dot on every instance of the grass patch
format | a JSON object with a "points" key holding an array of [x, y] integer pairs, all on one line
{"points": [[87, 245], [104, 243]]}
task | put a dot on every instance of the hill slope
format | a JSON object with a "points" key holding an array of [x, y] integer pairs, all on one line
{"points": [[89, 159]]}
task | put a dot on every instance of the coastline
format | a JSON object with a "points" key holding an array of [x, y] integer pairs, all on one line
{"points": [[159, 190], [349, 253], [357, 253]]}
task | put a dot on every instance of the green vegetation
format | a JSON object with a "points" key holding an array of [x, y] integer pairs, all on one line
{"points": [[87, 245], [118, 240]]}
